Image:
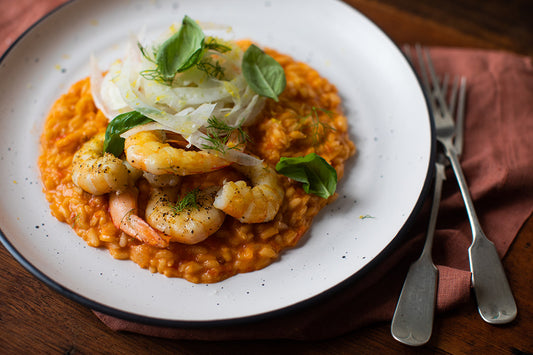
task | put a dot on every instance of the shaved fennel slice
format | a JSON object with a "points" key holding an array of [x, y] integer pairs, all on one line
{"points": [[97, 79], [199, 140], [125, 77], [152, 126], [194, 117], [177, 98], [246, 105], [250, 112], [127, 81]]}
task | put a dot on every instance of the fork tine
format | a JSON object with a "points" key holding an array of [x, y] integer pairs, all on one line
{"points": [[407, 51], [453, 95], [438, 92], [439, 96], [423, 73], [460, 118], [422, 69], [444, 86]]}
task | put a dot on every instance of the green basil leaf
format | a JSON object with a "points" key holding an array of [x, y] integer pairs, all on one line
{"points": [[263, 73], [113, 142], [313, 171], [182, 50]]}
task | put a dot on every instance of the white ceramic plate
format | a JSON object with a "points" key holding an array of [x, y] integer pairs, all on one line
{"points": [[387, 180]]}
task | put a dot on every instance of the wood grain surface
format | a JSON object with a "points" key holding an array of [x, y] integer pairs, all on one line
{"points": [[37, 320]]}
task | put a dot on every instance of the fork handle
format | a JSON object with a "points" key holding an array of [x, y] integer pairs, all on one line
{"points": [[412, 323], [494, 297]]}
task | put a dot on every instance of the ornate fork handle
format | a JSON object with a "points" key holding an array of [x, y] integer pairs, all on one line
{"points": [[495, 301]]}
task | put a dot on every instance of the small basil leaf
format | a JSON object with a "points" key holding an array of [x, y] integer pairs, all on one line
{"points": [[313, 171], [263, 73], [182, 50], [113, 142]]}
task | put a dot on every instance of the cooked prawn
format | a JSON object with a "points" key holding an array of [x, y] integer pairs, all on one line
{"points": [[148, 151], [165, 180], [256, 204], [99, 173], [190, 225], [123, 211]]}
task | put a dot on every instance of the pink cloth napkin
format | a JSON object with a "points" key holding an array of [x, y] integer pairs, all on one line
{"points": [[17, 16], [498, 164]]}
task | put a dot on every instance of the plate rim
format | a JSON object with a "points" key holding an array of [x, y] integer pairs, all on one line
{"points": [[323, 296]]}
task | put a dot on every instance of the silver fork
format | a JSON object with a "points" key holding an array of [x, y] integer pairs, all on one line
{"points": [[495, 301], [412, 323]]}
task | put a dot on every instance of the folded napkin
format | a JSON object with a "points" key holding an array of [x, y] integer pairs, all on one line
{"points": [[17, 16], [498, 165]]}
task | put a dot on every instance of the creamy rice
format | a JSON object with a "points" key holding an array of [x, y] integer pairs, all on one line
{"points": [[308, 118]]}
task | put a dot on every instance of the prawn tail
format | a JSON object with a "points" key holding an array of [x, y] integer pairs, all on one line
{"points": [[137, 227], [123, 210]]}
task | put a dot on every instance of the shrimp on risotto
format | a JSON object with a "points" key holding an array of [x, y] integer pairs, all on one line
{"points": [[189, 224], [99, 173], [123, 211], [252, 204], [148, 151]]}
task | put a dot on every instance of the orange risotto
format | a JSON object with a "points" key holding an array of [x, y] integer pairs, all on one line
{"points": [[307, 118]]}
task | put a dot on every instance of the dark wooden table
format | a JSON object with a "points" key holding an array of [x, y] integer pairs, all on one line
{"points": [[34, 319]]}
